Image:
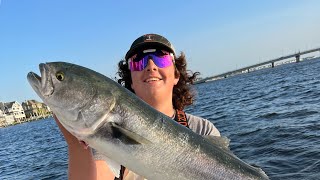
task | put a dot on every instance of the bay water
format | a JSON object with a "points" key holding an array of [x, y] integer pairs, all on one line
{"points": [[271, 116]]}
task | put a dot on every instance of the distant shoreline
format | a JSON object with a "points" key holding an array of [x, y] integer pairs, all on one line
{"points": [[34, 118]]}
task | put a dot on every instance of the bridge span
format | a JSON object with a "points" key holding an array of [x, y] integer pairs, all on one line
{"points": [[266, 64]]}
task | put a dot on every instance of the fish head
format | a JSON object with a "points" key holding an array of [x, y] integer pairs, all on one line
{"points": [[72, 93]]}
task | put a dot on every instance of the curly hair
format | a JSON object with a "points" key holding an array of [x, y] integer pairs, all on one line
{"points": [[182, 94]]}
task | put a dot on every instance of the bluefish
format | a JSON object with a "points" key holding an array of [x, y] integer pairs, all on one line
{"points": [[128, 131]]}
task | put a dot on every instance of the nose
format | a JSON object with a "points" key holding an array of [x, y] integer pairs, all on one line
{"points": [[151, 66]]}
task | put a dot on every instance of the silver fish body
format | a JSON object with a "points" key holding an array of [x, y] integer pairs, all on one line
{"points": [[119, 125]]}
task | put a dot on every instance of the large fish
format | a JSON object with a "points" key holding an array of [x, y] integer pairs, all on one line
{"points": [[119, 125]]}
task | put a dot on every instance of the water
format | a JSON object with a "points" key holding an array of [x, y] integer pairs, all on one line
{"points": [[34, 150], [271, 117]]}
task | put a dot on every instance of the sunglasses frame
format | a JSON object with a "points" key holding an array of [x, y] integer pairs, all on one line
{"points": [[141, 64]]}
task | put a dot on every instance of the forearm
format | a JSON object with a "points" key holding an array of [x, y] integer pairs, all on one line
{"points": [[81, 164]]}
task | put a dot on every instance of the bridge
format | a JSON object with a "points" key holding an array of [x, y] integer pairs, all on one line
{"points": [[266, 64]]}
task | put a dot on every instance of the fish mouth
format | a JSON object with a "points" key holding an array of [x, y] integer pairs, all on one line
{"points": [[42, 84]]}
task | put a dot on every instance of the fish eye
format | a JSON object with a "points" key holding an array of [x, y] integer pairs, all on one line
{"points": [[60, 76]]}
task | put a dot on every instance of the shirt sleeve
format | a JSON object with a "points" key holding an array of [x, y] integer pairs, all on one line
{"points": [[202, 126]]}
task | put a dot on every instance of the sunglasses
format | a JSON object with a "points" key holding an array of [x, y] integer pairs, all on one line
{"points": [[139, 62]]}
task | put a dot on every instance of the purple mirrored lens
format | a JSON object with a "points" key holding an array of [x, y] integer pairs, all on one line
{"points": [[138, 64], [163, 61]]}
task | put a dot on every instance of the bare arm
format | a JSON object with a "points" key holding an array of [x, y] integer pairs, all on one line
{"points": [[103, 171], [81, 162]]}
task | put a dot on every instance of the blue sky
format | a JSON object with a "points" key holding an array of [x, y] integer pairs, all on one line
{"points": [[216, 36]]}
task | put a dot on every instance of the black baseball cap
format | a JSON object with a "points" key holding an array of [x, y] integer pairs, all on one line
{"points": [[150, 41]]}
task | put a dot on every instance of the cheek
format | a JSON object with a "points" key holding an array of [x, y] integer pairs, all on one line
{"points": [[171, 75], [134, 78], [133, 85]]}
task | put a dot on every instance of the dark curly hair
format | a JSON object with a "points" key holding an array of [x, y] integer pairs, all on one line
{"points": [[182, 94]]}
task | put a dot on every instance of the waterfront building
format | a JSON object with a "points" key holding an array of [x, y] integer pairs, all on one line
{"points": [[15, 109], [33, 108], [13, 112], [2, 107], [9, 120], [6, 115], [3, 121]]}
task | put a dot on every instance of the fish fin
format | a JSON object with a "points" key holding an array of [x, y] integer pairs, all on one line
{"points": [[258, 168], [133, 137], [222, 141], [113, 166]]}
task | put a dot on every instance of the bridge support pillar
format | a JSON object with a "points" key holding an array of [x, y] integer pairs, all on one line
{"points": [[298, 58], [272, 65]]}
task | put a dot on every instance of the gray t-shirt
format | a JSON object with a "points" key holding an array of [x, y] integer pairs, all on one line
{"points": [[201, 126]]}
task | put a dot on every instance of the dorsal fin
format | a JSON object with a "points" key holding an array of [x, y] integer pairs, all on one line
{"points": [[221, 141]]}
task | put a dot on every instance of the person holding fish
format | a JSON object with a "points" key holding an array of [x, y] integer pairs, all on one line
{"points": [[157, 75]]}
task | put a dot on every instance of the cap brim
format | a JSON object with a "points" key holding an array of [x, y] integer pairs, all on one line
{"points": [[147, 45]]}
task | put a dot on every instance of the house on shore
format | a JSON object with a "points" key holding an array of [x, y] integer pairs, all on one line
{"points": [[33, 108], [3, 122], [12, 112]]}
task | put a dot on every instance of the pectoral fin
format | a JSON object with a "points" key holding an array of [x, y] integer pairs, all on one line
{"points": [[129, 136]]}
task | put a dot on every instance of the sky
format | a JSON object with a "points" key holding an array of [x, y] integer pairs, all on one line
{"points": [[216, 36]]}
